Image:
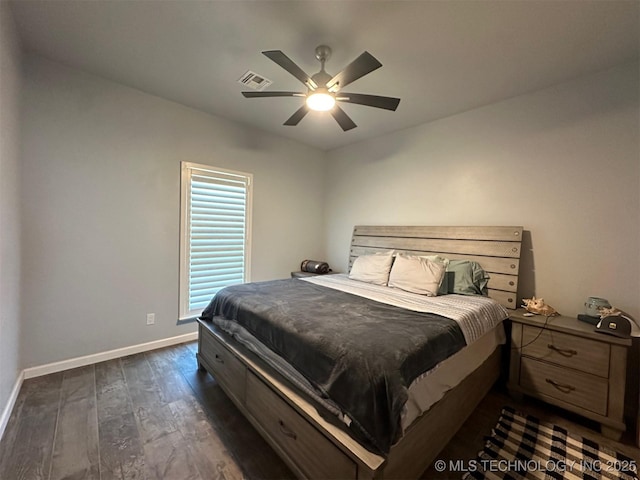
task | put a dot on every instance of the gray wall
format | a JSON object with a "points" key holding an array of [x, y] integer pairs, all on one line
{"points": [[563, 162], [10, 89], [100, 186], [100, 195]]}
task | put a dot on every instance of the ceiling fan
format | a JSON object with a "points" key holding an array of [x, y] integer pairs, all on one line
{"points": [[324, 90]]}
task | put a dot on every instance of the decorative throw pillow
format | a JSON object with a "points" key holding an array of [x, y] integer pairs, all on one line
{"points": [[372, 268], [467, 278], [416, 274]]}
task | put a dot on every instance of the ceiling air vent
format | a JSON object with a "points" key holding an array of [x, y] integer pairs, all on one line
{"points": [[254, 81]]}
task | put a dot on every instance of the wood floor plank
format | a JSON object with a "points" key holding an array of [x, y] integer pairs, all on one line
{"points": [[75, 449], [121, 450], [167, 458], [141, 385], [154, 422], [25, 453], [111, 390], [191, 419], [215, 466], [11, 430], [40, 394], [9, 439], [184, 357], [199, 381], [193, 346], [165, 366], [152, 412], [30, 457], [207, 449]]}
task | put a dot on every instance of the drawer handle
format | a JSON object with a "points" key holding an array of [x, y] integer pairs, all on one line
{"points": [[563, 352], [561, 387], [219, 359], [286, 431]]}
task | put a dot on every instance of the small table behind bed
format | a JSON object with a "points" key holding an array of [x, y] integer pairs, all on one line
{"points": [[313, 447]]}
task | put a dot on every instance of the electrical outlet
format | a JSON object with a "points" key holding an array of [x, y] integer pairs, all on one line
{"points": [[151, 318]]}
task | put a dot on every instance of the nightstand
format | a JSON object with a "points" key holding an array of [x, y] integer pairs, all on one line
{"points": [[566, 363], [305, 274]]}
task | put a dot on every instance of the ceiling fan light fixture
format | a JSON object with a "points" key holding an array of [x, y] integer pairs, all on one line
{"points": [[321, 101]]}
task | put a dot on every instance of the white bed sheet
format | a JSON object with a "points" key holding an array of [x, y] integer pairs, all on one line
{"points": [[475, 314], [431, 386]]}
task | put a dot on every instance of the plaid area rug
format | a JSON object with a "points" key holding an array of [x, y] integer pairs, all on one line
{"points": [[523, 447]]}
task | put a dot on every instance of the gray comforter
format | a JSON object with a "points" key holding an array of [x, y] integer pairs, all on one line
{"points": [[361, 354]]}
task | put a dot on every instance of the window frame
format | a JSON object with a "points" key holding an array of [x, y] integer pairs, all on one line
{"points": [[186, 171]]}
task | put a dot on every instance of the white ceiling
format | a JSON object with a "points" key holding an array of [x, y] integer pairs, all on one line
{"points": [[439, 57]]}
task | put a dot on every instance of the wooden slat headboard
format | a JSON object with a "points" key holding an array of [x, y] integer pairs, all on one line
{"points": [[496, 249]]}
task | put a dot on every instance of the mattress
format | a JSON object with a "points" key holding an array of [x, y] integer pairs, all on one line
{"points": [[432, 385], [423, 392], [357, 350], [482, 336]]}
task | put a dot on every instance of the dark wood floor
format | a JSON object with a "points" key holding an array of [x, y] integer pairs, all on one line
{"points": [[154, 416]]}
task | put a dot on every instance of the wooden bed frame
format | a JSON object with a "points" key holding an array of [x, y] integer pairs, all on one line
{"points": [[315, 448]]}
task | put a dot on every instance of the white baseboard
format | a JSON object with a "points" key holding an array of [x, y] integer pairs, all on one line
{"points": [[81, 362], [8, 408], [104, 356]]}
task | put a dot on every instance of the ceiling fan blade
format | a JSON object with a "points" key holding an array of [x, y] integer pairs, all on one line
{"points": [[272, 94], [289, 65], [388, 103], [296, 117], [342, 118], [365, 63]]}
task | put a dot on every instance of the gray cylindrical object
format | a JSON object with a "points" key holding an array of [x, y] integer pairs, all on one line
{"points": [[314, 266]]}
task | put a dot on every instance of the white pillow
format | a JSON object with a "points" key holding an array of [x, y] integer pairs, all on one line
{"points": [[372, 268], [444, 283], [417, 275], [437, 258]]}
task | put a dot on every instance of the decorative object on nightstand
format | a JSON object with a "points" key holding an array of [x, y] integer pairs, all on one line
{"points": [[311, 268], [615, 322], [566, 363], [314, 266], [593, 306], [537, 306]]}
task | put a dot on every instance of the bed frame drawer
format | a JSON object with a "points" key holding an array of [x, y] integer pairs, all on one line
{"points": [[222, 364], [568, 350], [289, 430]]}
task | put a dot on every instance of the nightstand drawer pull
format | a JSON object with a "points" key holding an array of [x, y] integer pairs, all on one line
{"points": [[561, 387], [286, 431], [219, 359], [562, 351]]}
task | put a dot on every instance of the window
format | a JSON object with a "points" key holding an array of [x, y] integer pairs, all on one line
{"points": [[214, 233]]}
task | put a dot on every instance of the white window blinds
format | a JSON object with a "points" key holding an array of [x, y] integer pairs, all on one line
{"points": [[216, 207]]}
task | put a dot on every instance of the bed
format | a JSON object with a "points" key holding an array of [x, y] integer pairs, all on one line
{"points": [[320, 438]]}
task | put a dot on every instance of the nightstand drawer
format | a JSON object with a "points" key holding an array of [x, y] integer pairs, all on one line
{"points": [[570, 351], [580, 389]]}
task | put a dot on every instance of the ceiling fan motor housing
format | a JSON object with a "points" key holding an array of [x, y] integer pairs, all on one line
{"points": [[323, 53]]}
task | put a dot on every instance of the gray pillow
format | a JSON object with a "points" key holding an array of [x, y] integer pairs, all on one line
{"points": [[466, 277]]}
